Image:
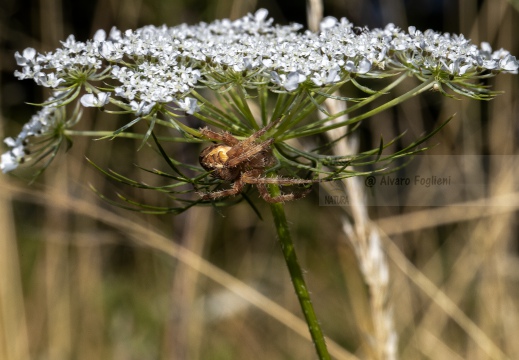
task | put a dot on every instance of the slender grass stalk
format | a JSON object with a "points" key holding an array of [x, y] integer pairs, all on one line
{"points": [[296, 274]]}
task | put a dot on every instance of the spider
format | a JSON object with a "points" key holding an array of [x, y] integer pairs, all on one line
{"points": [[244, 162]]}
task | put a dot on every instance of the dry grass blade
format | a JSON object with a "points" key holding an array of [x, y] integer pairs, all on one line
{"points": [[146, 237], [14, 342]]}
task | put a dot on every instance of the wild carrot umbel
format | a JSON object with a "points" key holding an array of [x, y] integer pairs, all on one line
{"points": [[241, 75], [258, 89]]}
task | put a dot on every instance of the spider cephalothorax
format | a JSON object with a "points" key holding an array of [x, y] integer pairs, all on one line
{"points": [[244, 162]]}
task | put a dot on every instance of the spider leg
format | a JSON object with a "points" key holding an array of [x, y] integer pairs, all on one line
{"points": [[236, 188], [250, 179], [261, 131], [262, 188], [253, 177], [224, 137], [230, 140], [246, 152], [251, 139]]}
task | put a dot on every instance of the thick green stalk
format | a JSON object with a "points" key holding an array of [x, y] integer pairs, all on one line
{"points": [[296, 274]]}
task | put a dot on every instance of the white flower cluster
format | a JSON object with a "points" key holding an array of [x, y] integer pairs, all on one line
{"points": [[160, 65], [41, 123]]}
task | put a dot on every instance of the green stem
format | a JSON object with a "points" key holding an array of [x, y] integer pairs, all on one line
{"points": [[296, 274]]}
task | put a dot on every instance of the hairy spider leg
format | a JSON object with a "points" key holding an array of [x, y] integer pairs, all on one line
{"points": [[224, 137], [248, 142], [254, 177], [262, 131], [276, 180], [230, 140], [236, 188], [262, 188], [238, 154]]}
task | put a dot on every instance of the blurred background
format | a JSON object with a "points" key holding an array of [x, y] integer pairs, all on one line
{"points": [[80, 279]]}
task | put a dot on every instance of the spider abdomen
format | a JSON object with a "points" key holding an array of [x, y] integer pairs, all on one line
{"points": [[214, 157]]}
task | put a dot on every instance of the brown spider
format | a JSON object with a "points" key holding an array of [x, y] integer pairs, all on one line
{"points": [[244, 162]]}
